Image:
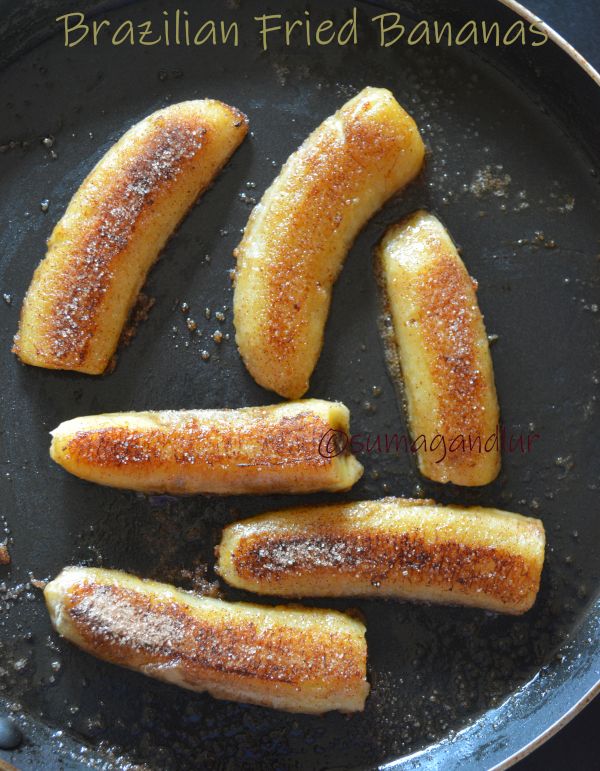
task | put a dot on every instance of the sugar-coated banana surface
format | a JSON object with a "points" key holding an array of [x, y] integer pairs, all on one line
{"points": [[443, 352], [113, 230], [393, 547], [299, 234], [289, 658], [261, 450]]}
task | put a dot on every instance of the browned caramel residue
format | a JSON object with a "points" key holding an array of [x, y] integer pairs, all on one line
{"points": [[136, 629], [332, 166], [254, 440], [379, 558], [448, 327], [168, 150], [4, 553]]}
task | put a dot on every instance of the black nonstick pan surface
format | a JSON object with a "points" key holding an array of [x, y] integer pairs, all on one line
{"points": [[512, 169]]}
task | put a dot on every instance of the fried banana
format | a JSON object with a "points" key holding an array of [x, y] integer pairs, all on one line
{"points": [[115, 226], [261, 450], [404, 549], [298, 236], [443, 352], [289, 658]]}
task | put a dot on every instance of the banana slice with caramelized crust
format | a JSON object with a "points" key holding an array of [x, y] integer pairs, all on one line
{"points": [[406, 549], [113, 230], [298, 236], [289, 658], [443, 352], [261, 450]]}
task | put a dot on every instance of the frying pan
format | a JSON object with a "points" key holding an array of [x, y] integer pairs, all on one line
{"points": [[514, 153]]}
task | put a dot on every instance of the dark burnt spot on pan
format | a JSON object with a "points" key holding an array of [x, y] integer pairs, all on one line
{"points": [[406, 558], [134, 629], [170, 146]]}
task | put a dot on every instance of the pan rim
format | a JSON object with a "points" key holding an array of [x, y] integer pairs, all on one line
{"points": [[594, 691], [555, 37], [552, 730]]}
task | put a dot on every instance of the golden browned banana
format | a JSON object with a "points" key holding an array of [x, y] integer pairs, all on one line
{"points": [[443, 353], [113, 230], [295, 659], [300, 232], [407, 549], [276, 449]]}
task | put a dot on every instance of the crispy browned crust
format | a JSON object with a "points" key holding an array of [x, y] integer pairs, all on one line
{"points": [[336, 550], [99, 250], [448, 321], [298, 236], [196, 441], [333, 172], [298, 659], [84, 283], [385, 557], [260, 449], [108, 619]]}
